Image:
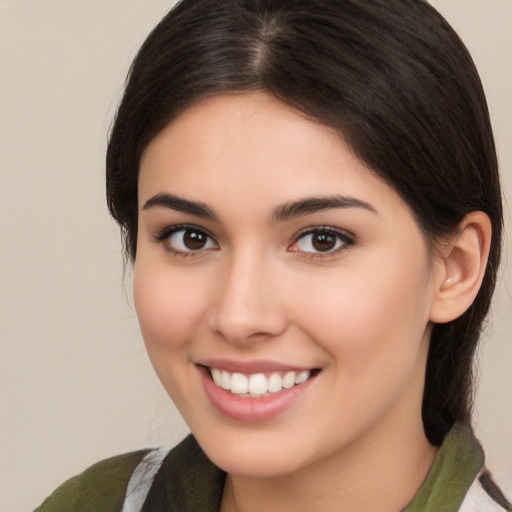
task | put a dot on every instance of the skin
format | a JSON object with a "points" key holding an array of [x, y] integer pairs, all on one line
{"points": [[259, 290]]}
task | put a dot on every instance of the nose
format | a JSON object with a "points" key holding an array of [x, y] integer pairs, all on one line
{"points": [[247, 306]]}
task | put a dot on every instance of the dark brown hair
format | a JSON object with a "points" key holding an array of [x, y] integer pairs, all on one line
{"points": [[390, 75]]}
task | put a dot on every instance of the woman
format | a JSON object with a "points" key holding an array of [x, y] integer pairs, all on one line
{"points": [[309, 193]]}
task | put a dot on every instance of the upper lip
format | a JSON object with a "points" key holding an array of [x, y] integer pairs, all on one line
{"points": [[250, 367]]}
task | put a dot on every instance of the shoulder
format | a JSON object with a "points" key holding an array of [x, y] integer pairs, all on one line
{"points": [[181, 479], [458, 479], [100, 487]]}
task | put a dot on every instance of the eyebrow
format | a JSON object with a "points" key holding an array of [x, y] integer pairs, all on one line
{"points": [[179, 204], [311, 205], [283, 212]]}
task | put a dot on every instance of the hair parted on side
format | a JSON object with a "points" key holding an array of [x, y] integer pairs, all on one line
{"points": [[390, 75]]}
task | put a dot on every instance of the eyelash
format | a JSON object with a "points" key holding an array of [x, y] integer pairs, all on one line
{"points": [[162, 237], [344, 239]]}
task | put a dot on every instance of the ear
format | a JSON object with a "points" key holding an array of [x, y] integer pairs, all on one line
{"points": [[461, 268]]}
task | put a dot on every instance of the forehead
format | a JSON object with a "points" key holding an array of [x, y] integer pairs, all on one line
{"points": [[251, 150], [223, 125]]}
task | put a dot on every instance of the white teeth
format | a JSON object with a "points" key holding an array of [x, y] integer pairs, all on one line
{"points": [[289, 380], [257, 384], [275, 383], [302, 377], [239, 384], [217, 376], [225, 380]]}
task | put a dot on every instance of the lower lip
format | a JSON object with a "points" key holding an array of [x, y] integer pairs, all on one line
{"points": [[251, 410]]}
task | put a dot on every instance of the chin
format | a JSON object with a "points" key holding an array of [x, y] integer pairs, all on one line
{"points": [[255, 453], [258, 463]]}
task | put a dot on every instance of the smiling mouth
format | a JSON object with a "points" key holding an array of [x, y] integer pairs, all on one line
{"points": [[259, 385]]}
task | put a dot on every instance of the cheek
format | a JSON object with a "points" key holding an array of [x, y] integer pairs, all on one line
{"points": [[370, 322], [373, 328], [168, 306]]}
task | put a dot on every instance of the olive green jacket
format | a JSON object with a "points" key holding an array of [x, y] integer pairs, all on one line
{"points": [[185, 480]]}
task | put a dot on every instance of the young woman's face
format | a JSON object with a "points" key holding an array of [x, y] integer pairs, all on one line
{"points": [[272, 263]]}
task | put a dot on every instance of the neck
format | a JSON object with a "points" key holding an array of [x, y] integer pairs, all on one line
{"points": [[381, 471]]}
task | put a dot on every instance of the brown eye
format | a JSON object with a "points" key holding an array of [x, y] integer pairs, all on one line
{"points": [[322, 241], [190, 240], [194, 240]]}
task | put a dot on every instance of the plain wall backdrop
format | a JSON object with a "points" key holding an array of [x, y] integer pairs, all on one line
{"points": [[75, 383]]}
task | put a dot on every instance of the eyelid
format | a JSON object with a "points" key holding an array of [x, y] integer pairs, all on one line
{"points": [[163, 234], [348, 239], [166, 231]]}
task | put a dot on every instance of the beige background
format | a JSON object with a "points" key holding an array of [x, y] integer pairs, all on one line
{"points": [[75, 383]]}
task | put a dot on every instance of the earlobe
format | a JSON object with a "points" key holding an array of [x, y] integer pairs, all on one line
{"points": [[462, 267]]}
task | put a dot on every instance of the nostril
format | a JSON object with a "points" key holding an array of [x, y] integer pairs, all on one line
{"points": [[257, 326]]}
